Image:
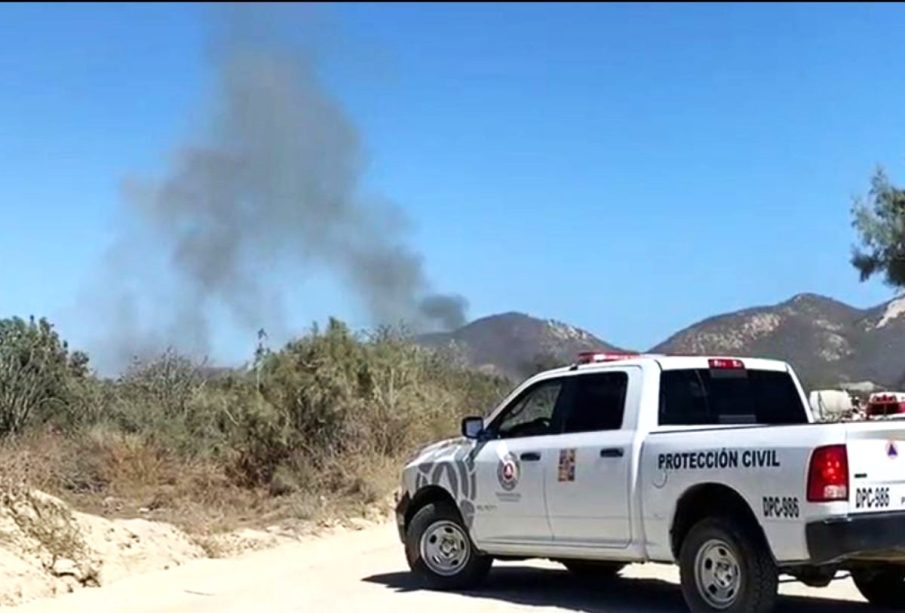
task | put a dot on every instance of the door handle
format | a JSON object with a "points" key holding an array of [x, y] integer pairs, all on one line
{"points": [[611, 452], [530, 456]]}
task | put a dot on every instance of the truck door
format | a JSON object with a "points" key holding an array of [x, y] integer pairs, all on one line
{"points": [[589, 476], [509, 499]]}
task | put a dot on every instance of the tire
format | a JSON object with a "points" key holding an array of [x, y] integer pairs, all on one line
{"points": [[882, 587], [440, 552], [726, 567], [592, 569]]}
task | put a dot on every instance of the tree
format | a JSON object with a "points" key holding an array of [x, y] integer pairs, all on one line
{"points": [[880, 223], [37, 373]]}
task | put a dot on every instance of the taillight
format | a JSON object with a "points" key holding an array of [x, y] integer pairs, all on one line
{"points": [[828, 474]]}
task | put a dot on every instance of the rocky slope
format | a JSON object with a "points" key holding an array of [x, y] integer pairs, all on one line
{"points": [[880, 344], [827, 341], [514, 344]]}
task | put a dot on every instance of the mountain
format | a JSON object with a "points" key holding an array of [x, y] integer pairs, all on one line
{"points": [[515, 344], [881, 350], [828, 342]]}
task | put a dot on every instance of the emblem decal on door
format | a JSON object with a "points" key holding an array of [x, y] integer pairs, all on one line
{"points": [[892, 451], [508, 472], [567, 465]]}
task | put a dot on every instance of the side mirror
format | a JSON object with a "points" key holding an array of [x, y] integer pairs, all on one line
{"points": [[472, 427]]}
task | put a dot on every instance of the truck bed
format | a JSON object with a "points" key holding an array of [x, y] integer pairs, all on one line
{"points": [[767, 466]]}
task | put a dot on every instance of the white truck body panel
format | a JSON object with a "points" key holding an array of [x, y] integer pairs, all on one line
{"points": [[613, 494], [756, 462], [876, 467]]}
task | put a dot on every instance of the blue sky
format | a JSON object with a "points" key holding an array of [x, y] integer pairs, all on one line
{"points": [[628, 169]]}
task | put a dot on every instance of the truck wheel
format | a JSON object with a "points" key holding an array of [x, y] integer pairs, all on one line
{"points": [[592, 569], [723, 567], [882, 587], [439, 550]]}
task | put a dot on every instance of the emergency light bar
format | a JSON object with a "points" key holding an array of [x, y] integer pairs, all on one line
{"points": [[882, 397], [593, 357], [721, 363], [596, 357]]}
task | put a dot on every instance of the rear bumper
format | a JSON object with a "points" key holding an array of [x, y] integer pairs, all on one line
{"points": [[853, 536]]}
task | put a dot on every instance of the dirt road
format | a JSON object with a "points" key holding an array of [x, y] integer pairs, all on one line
{"points": [[365, 571]]}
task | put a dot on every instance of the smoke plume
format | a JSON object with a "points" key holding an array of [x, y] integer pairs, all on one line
{"points": [[272, 181]]}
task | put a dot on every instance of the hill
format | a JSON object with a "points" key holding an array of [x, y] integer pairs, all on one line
{"points": [[515, 344], [827, 341]]}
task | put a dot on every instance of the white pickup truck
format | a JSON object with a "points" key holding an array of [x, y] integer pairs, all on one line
{"points": [[711, 463]]}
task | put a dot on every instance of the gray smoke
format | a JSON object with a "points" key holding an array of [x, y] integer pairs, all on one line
{"points": [[273, 181]]}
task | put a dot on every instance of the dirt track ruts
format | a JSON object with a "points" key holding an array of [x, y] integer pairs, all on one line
{"points": [[365, 571]]}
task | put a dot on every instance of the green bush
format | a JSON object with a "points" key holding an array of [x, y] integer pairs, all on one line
{"points": [[332, 395], [332, 412], [39, 378]]}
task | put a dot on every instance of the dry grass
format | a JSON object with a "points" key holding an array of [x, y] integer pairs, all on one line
{"points": [[115, 475], [316, 431], [112, 475]]}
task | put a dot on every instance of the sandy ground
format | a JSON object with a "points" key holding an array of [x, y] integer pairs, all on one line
{"points": [[365, 570]]}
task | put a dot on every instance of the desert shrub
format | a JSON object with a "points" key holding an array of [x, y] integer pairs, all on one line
{"points": [[329, 416], [167, 382], [170, 402], [334, 402], [39, 378]]}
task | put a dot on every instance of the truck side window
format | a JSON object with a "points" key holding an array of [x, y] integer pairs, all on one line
{"points": [[699, 397], [683, 399], [531, 414], [598, 402]]}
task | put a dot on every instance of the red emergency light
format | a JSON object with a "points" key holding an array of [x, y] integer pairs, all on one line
{"points": [[594, 357], [885, 403], [725, 363]]}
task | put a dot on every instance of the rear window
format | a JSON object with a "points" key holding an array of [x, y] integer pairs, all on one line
{"points": [[695, 397]]}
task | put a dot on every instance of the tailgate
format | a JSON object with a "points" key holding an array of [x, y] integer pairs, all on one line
{"points": [[876, 461]]}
